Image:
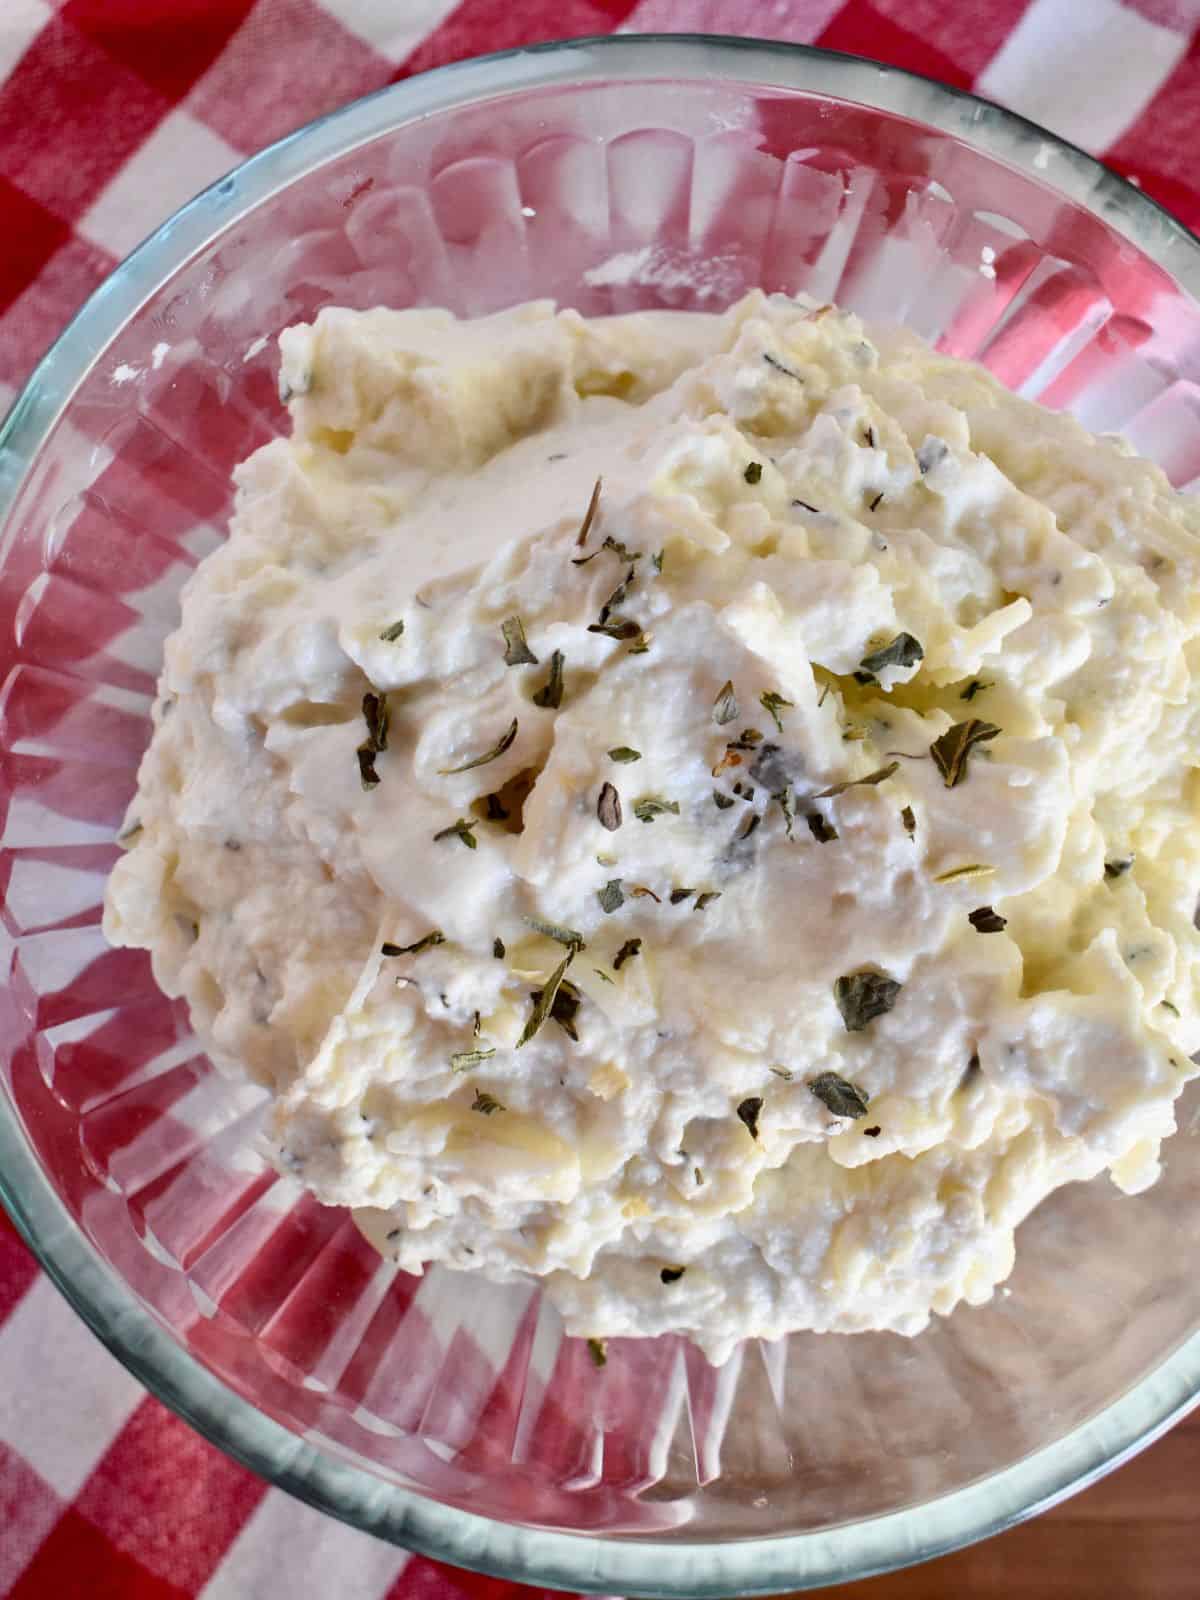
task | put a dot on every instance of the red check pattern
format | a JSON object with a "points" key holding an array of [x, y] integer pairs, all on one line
{"points": [[112, 112]]}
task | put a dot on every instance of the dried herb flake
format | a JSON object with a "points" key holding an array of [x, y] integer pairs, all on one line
{"points": [[608, 808], [879, 776], [589, 516], [464, 1060], [839, 1095], [549, 696], [427, 943], [725, 706], [543, 999], [391, 633], [902, 651], [774, 704], [486, 1103], [631, 948], [706, 899], [822, 831], [459, 829], [516, 647], [624, 754], [951, 750], [672, 1274], [985, 920], [611, 897], [862, 996], [571, 937], [748, 1112], [651, 806], [753, 472], [504, 743], [598, 1350]]}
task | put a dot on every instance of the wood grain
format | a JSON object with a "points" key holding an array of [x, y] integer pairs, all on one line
{"points": [[1132, 1536]]}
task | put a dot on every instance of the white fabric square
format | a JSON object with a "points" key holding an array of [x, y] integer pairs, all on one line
{"points": [[395, 30], [179, 158], [66, 1398], [1086, 72], [20, 23], [287, 1548]]}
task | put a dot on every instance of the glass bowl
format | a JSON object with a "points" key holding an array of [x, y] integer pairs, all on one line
{"points": [[444, 1413]]}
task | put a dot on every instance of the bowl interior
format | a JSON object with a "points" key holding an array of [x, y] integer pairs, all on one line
{"points": [[610, 196]]}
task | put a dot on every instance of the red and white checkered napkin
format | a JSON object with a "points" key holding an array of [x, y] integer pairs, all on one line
{"points": [[112, 112]]}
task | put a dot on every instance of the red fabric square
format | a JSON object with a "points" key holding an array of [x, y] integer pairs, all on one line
{"points": [[31, 236], [78, 1563], [29, 1508], [430, 1580], [289, 62], [169, 47], [70, 116], [1164, 138], [18, 1269], [48, 303], [967, 32], [166, 1496], [862, 30], [480, 26]]}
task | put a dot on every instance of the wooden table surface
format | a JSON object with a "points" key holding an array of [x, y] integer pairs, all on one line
{"points": [[1135, 1535]]}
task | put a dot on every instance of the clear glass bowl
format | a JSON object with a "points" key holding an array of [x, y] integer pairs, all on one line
{"points": [[443, 1413]]}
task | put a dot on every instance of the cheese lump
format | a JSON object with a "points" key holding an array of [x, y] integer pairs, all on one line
{"points": [[697, 810]]}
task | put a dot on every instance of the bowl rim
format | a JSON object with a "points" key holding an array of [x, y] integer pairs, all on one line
{"points": [[656, 1567]]}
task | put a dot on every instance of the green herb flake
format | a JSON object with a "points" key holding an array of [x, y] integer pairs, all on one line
{"points": [[464, 1060], [623, 754], [748, 1112], [598, 1350], [549, 696], [782, 1072], [725, 706], [570, 937], [516, 647], [976, 686], [985, 920], [909, 819], [1117, 868], [973, 869], [876, 502], [1169, 1005], [880, 776], [486, 1103], [672, 1274], [563, 1007], [497, 750], [617, 628], [783, 799], [747, 739], [951, 750], [656, 560], [748, 825], [753, 472], [589, 516], [601, 974], [862, 996], [498, 950], [706, 899], [377, 718], [631, 948], [774, 704], [427, 943], [459, 829], [392, 633], [902, 651], [722, 801], [839, 1095], [611, 897], [367, 774], [651, 806], [544, 999], [608, 808], [822, 831], [678, 896]]}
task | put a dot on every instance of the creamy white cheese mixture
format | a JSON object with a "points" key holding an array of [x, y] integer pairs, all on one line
{"points": [[696, 809]]}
